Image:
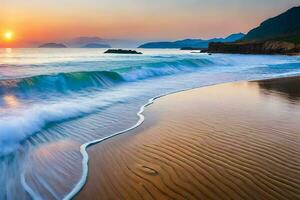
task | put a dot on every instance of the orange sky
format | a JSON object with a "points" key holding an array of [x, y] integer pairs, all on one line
{"points": [[35, 21]]}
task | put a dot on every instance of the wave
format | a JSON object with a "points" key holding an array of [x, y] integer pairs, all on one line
{"points": [[26, 119], [151, 70], [76, 81], [62, 82], [18, 124]]}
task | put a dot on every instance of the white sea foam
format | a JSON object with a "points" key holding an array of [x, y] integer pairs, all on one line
{"points": [[55, 93], [21, 123]]}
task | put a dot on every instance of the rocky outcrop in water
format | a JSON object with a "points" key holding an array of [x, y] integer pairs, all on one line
{"points": [[122, 51]]}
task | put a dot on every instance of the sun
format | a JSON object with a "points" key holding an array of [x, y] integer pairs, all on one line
{"points": [[8, 35]]}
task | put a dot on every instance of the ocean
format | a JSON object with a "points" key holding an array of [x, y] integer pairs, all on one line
{"points": [[56, 102]]}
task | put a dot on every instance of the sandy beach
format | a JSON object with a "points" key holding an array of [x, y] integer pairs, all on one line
{"points": [[230, 141]]}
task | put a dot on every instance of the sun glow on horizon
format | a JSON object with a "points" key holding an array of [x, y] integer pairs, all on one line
{"points": [[8, 36]]}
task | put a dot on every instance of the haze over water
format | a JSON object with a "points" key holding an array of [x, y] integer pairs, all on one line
{"points": [[35, 21]]}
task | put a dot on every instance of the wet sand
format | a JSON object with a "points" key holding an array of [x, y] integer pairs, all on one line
{"points": [[230, 141]]}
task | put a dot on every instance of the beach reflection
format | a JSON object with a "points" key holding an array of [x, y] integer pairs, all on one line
{"points": [[288, 88], [48, 168]]}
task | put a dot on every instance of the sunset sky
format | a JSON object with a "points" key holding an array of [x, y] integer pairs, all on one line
{"points": [[33, 21]]}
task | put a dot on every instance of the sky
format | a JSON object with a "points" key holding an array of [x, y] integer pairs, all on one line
{"points": [[34, 21]]}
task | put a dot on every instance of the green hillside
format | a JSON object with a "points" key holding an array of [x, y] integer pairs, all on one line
{"points": [[285, 26]]}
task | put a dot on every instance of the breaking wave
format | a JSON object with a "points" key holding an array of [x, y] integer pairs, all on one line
{"points": [[59, 96], [76, 81]]}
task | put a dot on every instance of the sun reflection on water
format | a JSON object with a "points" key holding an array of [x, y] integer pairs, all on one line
{"points": [[11, 101], [8, 50]]}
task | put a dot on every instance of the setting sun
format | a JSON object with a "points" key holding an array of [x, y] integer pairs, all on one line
{"points": [[8, 35]]}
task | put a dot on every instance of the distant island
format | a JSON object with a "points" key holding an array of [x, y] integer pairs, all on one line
{"points": [[52, 45], [122, 51], [278, 35], [96, 45], [192, 43], [80, 42]]}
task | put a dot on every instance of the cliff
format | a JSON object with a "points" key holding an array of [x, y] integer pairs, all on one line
{"points": [[267, 47]]}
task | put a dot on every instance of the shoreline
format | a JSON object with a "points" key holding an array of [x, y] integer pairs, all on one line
{"points": [[91, 144], [84, 148]]}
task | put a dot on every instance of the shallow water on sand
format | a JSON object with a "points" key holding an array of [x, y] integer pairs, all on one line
{"points": [[230, 141], [52, 101]]}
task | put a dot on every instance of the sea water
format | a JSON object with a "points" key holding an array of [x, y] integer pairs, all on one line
{"points": [[54, 102]]}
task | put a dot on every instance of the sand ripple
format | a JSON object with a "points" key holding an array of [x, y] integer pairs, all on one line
{"points": [[223, 142]]}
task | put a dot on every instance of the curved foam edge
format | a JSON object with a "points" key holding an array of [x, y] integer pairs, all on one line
{"points": [[83, 148], [85, 155], [85, 160]]}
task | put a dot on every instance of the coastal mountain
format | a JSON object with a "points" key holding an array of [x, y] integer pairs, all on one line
{"points": [[192, 43], [120, 43], [52, 45], [283, 26], [96, 45], [234, 37], [83, 41], [278, 35]]}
